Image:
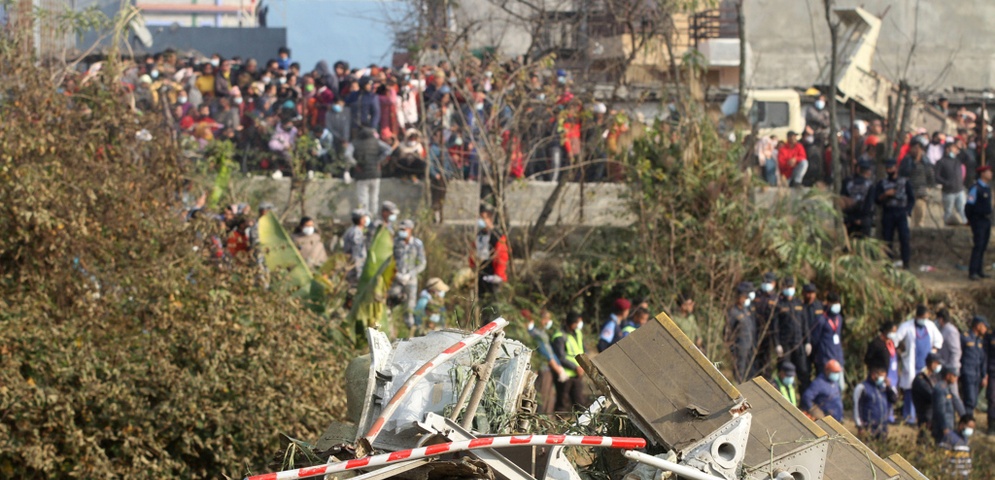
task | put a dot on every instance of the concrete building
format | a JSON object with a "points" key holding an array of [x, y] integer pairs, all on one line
{"points": [[789, 42]]}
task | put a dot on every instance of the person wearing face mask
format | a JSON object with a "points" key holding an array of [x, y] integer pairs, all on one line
{"points": [[792, 334], [354, 245], [922, 395], [430, 311], [827, 336], [858, 210], [950, 176], [825, 394], [813, 309], [973, 371], [567, 344], [784, 382], [958, 450], [872, 400], [895, 194], [611, 329], [409, 258], [308, 241], [740, 333], [764, 307], [979, 214], [490, 255], [817, 118], [550, 370], [946, 405], [917, 338]]}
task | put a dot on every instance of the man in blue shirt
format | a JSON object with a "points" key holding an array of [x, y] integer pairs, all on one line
{"points": [[872, 404], [611, 331], [824, 392], [827, 334], [979, 215]]}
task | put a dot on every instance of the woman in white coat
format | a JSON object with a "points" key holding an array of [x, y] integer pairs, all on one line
{"points": [[915, 339]]}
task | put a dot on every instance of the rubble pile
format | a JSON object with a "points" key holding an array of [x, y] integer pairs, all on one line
{"points": [[453, 404]]}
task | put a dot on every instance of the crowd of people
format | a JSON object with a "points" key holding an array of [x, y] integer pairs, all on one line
{"points": [[933, 370], [439, 122]]}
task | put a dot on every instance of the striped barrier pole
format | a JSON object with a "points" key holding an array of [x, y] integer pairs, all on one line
{"points": [[453, 447], [366, 443]]}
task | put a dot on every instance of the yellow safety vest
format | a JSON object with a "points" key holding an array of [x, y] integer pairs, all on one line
{"points": [[790, 393], [574, 345]]}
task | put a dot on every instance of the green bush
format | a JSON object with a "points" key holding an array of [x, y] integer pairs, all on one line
{"points": [[126, 350]]}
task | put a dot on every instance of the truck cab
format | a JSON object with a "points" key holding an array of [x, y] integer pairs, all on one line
{"points": [[772, 112]]}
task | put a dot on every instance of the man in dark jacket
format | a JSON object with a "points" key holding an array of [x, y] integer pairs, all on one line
{"points": [[979, 215], [872, 404], [365, 105], [859, 214], [922, 393], [920, 174], [973, 363], [827, 334], [764, 307], [813, 309], [945, 404], [370, 154], [338, 121], [949, 174], [792, 332], [740, 333], [895, 194]]}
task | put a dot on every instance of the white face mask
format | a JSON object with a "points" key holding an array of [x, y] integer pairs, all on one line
{"points": [[968, 432], [835, 308], [789, 292], [481, 223], [548, 324], [238, 100], [479, 106], [746, 303], [820, 104], [392, 218], [580, 326], [403, 234], [937, 368], [215, 62], [920, 321], [181, 100], [767, 287], [435, 318], [531, 326], [440, 294], [282, 80], [307, 230], [893, 336]]}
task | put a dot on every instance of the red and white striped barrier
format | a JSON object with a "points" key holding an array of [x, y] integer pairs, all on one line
{"points": [[453, 447], [366, 443]]}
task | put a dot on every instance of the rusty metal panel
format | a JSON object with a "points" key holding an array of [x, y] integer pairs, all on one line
{"points": [[849, 458], [668, 387], [905, 469], [778, 426]]}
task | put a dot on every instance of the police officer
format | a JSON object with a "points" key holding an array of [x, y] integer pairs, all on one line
{"points": [[764, 306], [979, 215], [896, 195], [784, 382], [973, 371], [409, 259], [792, 334], [813, 310], [741, 333], [945, 404], [859, 215]]}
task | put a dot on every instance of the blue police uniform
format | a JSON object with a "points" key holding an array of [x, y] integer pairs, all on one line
{"points": [[972, 369], [741, 337], [990, 355], [895, 215], [859, 216], [827, 340], [825, 395], [979, 215]]}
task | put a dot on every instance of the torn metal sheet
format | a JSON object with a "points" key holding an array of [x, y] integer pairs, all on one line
{"points": [[721, 453], [380, 354], [667, 386], [454, 432], [905, 469], [441, 387], [849, 458], [778, 427], [807, 462]]}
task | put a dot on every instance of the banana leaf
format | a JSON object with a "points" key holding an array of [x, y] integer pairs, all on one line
{"points": [[369, 307], [221, 153], [283, 260]]}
